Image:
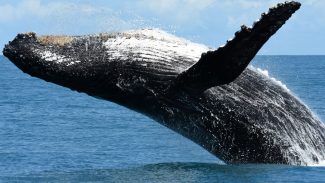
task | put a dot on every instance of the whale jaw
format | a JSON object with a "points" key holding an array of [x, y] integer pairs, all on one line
{"points": [[38, 58], [84, 64]]}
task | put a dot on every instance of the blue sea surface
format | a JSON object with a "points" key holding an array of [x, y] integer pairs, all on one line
{"points": [[50, 134]]}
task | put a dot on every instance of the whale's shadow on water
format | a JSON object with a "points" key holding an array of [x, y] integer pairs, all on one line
{"points": [[181, 172]]}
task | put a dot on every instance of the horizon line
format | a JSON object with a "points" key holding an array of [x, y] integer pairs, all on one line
{"points": [[270, 54]]}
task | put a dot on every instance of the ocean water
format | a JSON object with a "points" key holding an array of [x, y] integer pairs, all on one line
{"points": [[51, 134]]}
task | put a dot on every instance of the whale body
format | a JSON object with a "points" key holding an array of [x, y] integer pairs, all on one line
{"points": [[209, 96]]}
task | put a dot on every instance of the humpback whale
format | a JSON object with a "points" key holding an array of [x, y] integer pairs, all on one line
{"points": [[209, 96]]}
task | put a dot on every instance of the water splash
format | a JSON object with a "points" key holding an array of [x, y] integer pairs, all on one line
{"points": [[266, 73]]}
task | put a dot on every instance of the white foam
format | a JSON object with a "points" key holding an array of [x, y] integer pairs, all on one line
{"points": [[319, 164], [266, 74]]}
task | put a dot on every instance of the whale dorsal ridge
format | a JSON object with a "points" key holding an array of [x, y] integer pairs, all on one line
{"points": [[225, 64]]}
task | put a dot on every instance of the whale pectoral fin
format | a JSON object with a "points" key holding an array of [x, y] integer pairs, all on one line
{"points": [[226, 63]]}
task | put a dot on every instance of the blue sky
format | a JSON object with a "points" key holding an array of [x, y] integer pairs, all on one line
{"points": [[210, 22]]}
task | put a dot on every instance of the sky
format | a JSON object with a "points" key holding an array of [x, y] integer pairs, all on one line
{"points": [[210, 22]]}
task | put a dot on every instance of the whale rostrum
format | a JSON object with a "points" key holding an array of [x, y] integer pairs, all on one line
{"points": [[209, 96]]}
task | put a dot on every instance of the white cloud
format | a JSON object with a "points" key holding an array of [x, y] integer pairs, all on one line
{"points": [[32, 8], [173, 11], [57, 17]]}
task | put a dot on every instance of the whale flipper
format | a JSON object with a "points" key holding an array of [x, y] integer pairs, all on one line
{"points": [[226, 63]]}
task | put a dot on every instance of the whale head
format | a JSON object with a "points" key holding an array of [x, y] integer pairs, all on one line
{"points": [[120, 67]]}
